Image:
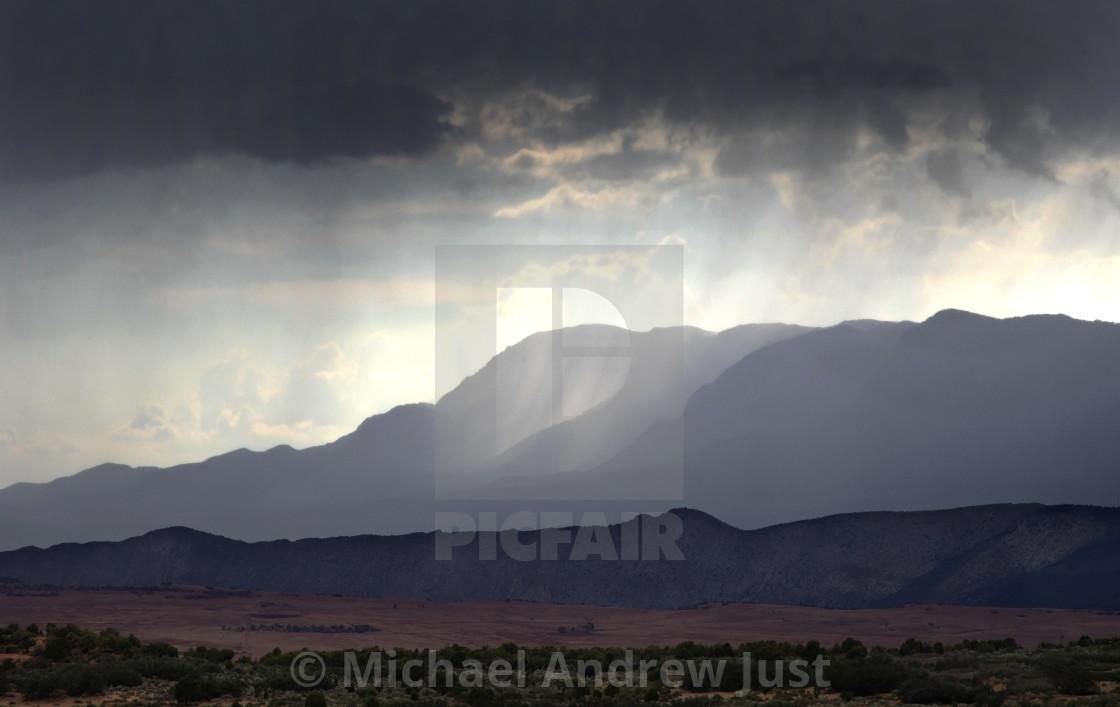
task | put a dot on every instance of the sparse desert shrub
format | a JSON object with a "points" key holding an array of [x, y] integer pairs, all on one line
{"points": [[199, 688], [195, 689], [956, 661], [213, 655], [991, 645], [160, 650], [1069, 674], [852, 648], [483, 697], [117, 673], [862, 677], [74, 680], [936, 691], [111, 641], [315, 699], [912, 646], [164, 668]]}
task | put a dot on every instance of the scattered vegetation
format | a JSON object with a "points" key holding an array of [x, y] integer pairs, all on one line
{"points": [[58, 662], [304, 628], [584, 629]]}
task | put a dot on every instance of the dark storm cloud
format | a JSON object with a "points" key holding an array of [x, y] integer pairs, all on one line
{"points": [[335, 120], [88, 85], [1099, 188], [624, 165], [815, 143], [944, 168], [860, 71]]}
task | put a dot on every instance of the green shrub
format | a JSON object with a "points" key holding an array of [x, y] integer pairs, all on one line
{"points": [[936, 691], [852, 648], [74, 680], [212, 655], [161, 650], [195, 689], [199, 688], [912, 646], [862, 677], [991, 645], [1069, 674], [315, 699], [117, 673]]}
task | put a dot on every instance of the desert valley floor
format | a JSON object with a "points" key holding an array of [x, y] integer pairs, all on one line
{"points": [[192, 616]]}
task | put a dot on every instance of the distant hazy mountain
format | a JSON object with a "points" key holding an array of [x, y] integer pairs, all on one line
{"points": [[960, 409], [764, 424], [665, 368], [380, 478], [1005, 555]]}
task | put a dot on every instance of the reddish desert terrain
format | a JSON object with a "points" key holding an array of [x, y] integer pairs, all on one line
{"points": [[192, 616]]}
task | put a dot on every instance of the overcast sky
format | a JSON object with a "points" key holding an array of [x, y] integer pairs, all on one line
{"points": [[217, 220]]}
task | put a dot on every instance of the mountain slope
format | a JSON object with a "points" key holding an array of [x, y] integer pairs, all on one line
{"points": [[783, 425], [666, 367], [1009, 555], [381, 476], [957, 410], [241, 493]]}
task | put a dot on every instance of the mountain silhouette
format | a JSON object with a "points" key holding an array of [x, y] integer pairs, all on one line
{"points": [[1003, 555], [381, 477], [758, 425]]}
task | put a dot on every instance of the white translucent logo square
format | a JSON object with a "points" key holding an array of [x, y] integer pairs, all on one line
{"points": [[543, 356]]}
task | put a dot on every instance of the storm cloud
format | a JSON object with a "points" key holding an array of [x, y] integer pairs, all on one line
{"points": [[945, 169], [107, 84], [217, 218]]}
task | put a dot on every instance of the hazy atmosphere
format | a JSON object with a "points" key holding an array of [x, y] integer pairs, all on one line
{"points": [[218, 220]]}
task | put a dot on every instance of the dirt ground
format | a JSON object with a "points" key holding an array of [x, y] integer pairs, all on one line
{"points": [[193, 616]]}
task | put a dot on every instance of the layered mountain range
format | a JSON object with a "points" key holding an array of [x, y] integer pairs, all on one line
{"points": [[757, 425], [1005, 555]]}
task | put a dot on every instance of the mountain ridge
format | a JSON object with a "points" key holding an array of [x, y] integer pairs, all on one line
{"points": [[773, 423], [384, 469], [997, 555]]}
